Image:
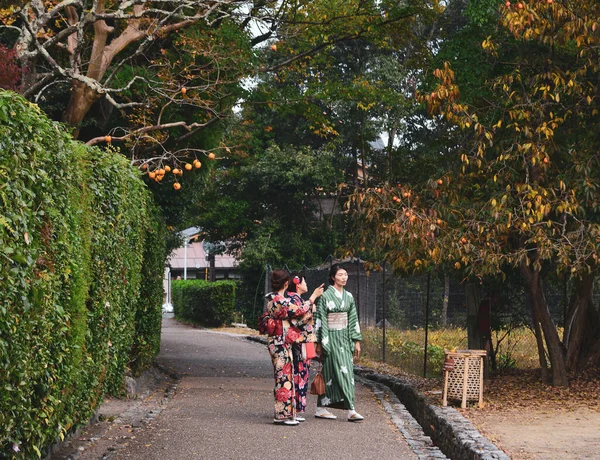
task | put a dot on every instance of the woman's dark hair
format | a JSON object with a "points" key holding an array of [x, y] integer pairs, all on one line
{"points": [[295, 279], [333, 271], [278, 279]]}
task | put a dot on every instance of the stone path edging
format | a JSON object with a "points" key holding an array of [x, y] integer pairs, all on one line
{"points": [[421, 444], [110, 435], [449, 430], [454, 435]]}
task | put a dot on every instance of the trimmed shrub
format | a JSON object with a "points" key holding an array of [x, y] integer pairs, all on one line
{"points": [[73, 223], [202, 302]]}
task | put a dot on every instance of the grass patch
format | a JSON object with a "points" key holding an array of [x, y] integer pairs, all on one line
{"points": [[405, 349]]}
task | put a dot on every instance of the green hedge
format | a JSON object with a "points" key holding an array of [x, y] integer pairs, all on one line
{"points": [[203, 302], [149, 305], [73, 226]]}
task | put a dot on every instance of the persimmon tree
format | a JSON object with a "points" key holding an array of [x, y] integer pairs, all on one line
{"points": [[159, 75], [168, 70], [524, 193]]}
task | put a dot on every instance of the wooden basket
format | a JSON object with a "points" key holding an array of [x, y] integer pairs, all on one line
{"points": [[464, 379]]}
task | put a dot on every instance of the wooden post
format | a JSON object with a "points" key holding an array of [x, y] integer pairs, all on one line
{"points": [[481, 364], [445, 396], [426, 325], [463, 404]]}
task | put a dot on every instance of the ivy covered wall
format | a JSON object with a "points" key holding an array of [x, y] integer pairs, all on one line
{"points": [[80, 288]]}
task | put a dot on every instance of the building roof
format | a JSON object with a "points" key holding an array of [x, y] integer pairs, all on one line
{"points": [[190, 232], [196, 258]]}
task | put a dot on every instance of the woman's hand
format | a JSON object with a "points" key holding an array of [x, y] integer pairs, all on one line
{"points": [[356, 350], [317, 293]]}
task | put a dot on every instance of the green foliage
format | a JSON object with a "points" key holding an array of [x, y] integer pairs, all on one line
{"points": [[73, 223], [148, 314], [483, 13], [203, 302], [505, 361], [435, 359], [117, 250], [271, 203]]}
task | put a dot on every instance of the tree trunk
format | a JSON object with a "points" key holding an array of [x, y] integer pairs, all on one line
{"points": [[593, 357], [213, 272], [539, 339], [444, 317], [363, 159], [82, 99], [542, 315], [473, 298], [582, 325], [578, 319]]}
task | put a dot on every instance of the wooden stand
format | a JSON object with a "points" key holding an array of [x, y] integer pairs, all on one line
{"points": [[464, 380]]}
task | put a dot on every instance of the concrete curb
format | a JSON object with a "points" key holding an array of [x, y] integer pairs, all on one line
{"points": [[454, 435], [257, 338], [421, 444], [449, 430]]}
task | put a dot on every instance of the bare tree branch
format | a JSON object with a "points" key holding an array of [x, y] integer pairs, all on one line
{"points": [[146, 129], [316, 49]]}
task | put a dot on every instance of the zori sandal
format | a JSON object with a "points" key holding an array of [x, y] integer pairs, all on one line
{"points": [[356, 417], [326, 415], [286, 421]]}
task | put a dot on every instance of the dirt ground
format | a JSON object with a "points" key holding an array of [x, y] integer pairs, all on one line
{"points": [[542, 433], [527, 419]]}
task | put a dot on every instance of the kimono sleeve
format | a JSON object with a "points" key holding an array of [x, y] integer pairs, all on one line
{"points": [[285, 308], [301, 307], [353, 325], [321, 324], [299, 317], [297, 310]]}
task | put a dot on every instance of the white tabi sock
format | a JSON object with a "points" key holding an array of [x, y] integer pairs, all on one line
{"points": [[321, 411]]}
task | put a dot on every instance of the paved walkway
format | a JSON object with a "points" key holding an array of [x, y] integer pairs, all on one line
{"points": [[222, 409]]}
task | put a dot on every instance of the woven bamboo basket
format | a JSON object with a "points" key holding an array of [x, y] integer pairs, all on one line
{"points": [[463, 376]]}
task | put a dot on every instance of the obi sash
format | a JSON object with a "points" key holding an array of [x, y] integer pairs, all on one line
{"points": [[336, 321]]}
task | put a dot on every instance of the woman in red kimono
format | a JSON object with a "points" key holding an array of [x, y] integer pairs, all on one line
{"points": [[280, 310], [302, 352]]}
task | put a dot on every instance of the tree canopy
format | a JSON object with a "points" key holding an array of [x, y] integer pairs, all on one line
{"points": [[456, 134], [524, 194]]}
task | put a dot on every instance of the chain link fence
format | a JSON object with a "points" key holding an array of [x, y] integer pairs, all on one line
{"points": [[406, 322], [409, 322]]}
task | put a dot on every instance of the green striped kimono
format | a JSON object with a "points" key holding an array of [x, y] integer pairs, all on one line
{"points": [[338, 349]]}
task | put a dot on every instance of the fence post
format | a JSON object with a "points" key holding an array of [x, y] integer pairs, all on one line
{"points": [[426, 325], [358, 287], [384, 315], [268, 270]]}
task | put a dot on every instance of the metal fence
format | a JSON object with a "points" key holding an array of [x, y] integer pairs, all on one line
{"points": [[409, 321], [402, 318]]}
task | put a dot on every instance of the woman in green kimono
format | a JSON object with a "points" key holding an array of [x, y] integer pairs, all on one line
{"points": [[338, 337]]}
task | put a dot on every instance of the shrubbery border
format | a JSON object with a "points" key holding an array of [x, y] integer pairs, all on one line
{"points": [[82, 257]]}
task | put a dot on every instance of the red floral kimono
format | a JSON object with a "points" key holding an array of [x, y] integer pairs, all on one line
{"points": [[282, 334], [301, 362]]}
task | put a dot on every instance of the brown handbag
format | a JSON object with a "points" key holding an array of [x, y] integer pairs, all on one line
{"points": [[317, 387]]}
